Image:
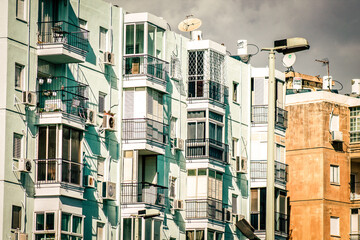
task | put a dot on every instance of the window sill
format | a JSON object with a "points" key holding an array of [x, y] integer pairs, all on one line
{"points": [[335, 236], [236, 103], [21, 20], [335, 184], [18, 89]]}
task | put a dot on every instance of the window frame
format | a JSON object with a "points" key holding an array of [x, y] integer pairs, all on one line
{"points": [[19, 217], [44, 230], [71, 233], [102, 107], [103, 32], [334, 178], [18, 17], [21, 77], [334, 232], [17, 137], [235, 96]]}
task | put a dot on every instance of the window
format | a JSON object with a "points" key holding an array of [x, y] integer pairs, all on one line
{"points": [[155, 40], [71, 160], [235, 91], [214, 235], [82, 23], [280, 153], [196, 74], [134, 39], [354, 124], [19, 75], [215, 116], [197, 234], [103, 39], [334, 226], [234, 147], [215, 132], [234, 203], [71, 226], [101, 102], [17, 146], [334, 174], [16, 217], [196, 114], [21, 9], [173, 127], [215, 184], [45, 222], [175, 68], [354, 221], [196, 130], [100, 231], [172, 187], [258, 209], [100, 168], [155, 105]]}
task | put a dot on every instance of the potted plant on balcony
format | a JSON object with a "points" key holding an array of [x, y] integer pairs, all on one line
{"points": [[109, 113]]}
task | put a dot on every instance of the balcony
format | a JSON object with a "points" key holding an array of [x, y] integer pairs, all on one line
{"points": [[207, 149], [145, 70], [204, 209], [145, 133], [260, 116], [207, 90], [62, 42], [258, 171], [281, 222], [62, 100], [57, 177], [143, 193]]}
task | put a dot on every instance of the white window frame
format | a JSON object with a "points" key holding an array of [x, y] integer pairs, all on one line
{"points": [[103, 41], [334, 174], [334, 226], [44, 231], [12, 216], [21, 77]]}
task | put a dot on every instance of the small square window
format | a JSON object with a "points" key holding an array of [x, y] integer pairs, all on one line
{"points": [[16, 217], [19, 75], [334, 174]]}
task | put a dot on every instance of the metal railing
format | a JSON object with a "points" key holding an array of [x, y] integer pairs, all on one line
{"points": [[58, 171], [143, 192], [61, 32], [259, 115], [281, 222], [62, 94], [145, 128], [207, 89], [150, 66], [258, 170], [209, 208], [207, 148]]}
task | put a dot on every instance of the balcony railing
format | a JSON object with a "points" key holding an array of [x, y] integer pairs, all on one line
{"points": [[58, 171], [260, 116], [152, 67], [281, 222], [207, 89], [61, 32], [204, 209], [259, 171], [61, 94], [144, 128], [148, 193], [207, 148]]}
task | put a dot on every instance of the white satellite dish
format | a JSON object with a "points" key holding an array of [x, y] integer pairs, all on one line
{"points": [[189, 24], [289, 59]]}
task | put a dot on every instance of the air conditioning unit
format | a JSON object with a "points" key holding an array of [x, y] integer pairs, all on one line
{"points": [[24, 165], [109, 123], [29, 98], [241, 164], [109, 58], [178, 204], [179, 144], [91, 117], [20, 236], [336, 136], [89, 181], [227, 214], [109, 190]]}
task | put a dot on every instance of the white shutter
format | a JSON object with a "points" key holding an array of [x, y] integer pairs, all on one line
{"points": [[129, 103], [128, 169], [334, 123], [354, 223], [334, 226], [259, 91], [201, 186], [139, 110], [280, 87], [191, 186], [149, 102]]}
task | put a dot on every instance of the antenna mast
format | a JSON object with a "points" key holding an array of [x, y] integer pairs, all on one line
{"points": [[326, 62]]}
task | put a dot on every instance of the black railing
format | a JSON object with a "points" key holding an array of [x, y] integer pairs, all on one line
{"points": [[61, 32], [207, 148], [207, 89], [150, 66], [61, 94], [132, 193], [209, 208], [144, 128], [258, 170], [258, 221], [58, 171], [260, 116]]}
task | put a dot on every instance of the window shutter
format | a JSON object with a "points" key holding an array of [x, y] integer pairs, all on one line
{"points": [[334, 226], [17, 146], [149, 102], [259, 91], [20, 11], [129, 104]]}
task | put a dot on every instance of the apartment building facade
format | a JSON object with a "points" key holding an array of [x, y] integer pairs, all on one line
{"points": [[115, 127], [322, 153], [258, 162]]}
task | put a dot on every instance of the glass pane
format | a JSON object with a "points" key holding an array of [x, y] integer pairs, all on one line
{"points": [[200, 235], [199, 88], [40, 221], [41, 171], [190, 235], [212, 133], [191, 89], [191, 130], [39, 236], [65, 222], [202, 172], [192, 172], [201, 130], [65, 237], [210, 235], [159, 42], [219, 134], [151, 40], [42, 143], [65, 171], [52, 143], [51, 174], [157, 231], [75, 146], [16, 217], [127, 228], [66, 143], [148, 229], [50, 221], [76, 224], [129, 39], [139, 38], [75, 173]]}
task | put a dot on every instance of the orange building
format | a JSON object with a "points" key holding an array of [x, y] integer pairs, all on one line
{"points": [[322, 151]]}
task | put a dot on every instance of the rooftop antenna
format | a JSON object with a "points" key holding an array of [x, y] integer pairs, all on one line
{"points": [[189, 24], [325, 61]]}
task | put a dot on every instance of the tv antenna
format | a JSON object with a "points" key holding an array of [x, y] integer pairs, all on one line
{"points": [[325, 62], [189, 24]]}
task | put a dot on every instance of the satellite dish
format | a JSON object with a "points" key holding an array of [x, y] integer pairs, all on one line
{"points": [[289, 59], [189, 24]]}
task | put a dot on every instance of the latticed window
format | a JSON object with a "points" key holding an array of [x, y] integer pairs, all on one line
{"points": [[216, 67], [17, 146], [354, 124], [196, 74]]}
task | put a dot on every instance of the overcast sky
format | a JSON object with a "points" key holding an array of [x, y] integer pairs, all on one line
{"points": [[332, 28]]}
